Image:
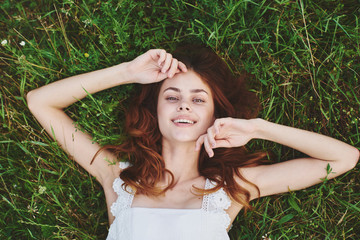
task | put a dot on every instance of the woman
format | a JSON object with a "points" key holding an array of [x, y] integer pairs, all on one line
{"points": [[188, 174]]}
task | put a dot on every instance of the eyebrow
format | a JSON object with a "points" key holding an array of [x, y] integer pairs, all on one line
{"points": [[197, 90]]}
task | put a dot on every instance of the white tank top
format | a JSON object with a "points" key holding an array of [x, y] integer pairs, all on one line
{"points": [[210, 222]]}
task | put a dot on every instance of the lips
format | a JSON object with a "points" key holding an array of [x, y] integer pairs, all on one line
{"points": [[181, 120]]}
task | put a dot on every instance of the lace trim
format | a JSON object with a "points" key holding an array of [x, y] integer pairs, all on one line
{"points": [[121, 224], [125, 198], [216, 203], [205, 202]]}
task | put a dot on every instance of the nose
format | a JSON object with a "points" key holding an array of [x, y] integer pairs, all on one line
{"points": [[184, 106]]}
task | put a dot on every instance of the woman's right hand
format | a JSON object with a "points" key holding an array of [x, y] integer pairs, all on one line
{"points": [[154, 66]]}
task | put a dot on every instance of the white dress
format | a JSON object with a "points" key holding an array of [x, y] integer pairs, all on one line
{"points": [[210, 222]]}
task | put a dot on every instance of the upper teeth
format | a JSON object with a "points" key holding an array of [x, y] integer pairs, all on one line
{"points": [[183, 121]]}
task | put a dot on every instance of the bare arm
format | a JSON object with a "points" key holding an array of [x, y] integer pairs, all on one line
{"points": [[47, 103], [293, 174]]}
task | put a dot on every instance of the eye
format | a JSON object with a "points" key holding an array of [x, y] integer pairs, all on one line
{"points": [[198, 100], [172, 99]]}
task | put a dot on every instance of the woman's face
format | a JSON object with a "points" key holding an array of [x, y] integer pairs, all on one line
{"points": [[185, 107]]}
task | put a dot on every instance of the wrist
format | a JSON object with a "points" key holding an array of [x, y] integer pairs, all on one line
{"points": [[259, 128], [124, 73]]}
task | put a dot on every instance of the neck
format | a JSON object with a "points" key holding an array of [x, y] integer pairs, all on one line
{"points": [[181, 159]]}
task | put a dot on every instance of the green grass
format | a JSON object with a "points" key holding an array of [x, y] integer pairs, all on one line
{"points": [[305, 58]]}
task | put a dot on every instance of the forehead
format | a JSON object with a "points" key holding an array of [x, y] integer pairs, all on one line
{"points": [[185, 82]]}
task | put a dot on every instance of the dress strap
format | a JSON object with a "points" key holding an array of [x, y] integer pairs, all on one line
{"points": [[125, 196], [205, 201], [216, 203]]}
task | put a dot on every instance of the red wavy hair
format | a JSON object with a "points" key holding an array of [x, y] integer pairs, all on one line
{"points": [[143, 147]]}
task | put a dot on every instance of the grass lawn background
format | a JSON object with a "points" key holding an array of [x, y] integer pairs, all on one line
{"points": [[305, 58]]}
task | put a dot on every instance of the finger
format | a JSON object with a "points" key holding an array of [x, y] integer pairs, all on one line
{"points": [[199, 142], [182, 67], [211, 136], [162, 55], [222, 143], [167, 63], [173, 68], [218, 124], [208, 148]]}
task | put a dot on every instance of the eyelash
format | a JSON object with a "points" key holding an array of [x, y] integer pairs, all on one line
{"points": [[198, 100], [172, 98], [195, 100]]}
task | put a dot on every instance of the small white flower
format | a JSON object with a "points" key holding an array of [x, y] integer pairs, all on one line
{"points": [[3, 42], [22, 43], [42, 189], [87, 22], [265, 237]]}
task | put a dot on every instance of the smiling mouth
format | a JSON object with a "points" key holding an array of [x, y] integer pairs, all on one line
{"points": [[185, 121]]}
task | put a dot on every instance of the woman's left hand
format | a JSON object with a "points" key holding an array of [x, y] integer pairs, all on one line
{"points": [[226, 132]]}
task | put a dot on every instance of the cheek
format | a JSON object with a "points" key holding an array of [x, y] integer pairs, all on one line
{"points": [[162, 109], [209, 119], [162, 115]]}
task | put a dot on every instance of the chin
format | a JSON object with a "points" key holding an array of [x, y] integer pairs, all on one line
{"points": [[182, 135], [185, 139], [182, 138]]}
